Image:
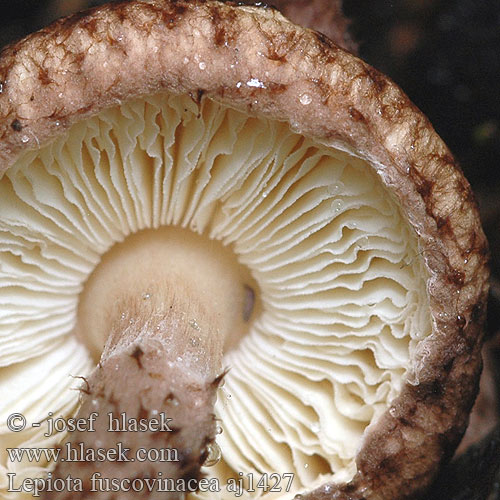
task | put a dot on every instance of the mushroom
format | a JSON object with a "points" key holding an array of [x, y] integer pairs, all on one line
{"points": [[194, 186]]}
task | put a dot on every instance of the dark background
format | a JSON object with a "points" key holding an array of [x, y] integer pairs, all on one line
{"points": [[446, 56]]}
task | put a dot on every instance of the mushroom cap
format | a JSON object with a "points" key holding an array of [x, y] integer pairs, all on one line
{"points": [[254, 60]]}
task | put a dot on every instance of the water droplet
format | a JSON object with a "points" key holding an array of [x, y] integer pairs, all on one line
{"points": [[95, 402], [196, 32], [25, 139], [335, 188], [214, 455], [337, 206], [122, 316], [172, 400], [60, 94], [219, 430], [185, 60], [466, 261], [1, 87], [154, 412], [194, 341], [298, 497], [146, 296], [155, 49], [305, 99], [254, 82], [315, 427], [202, 66], [58, 123], [119, 38], [306, 466], [179, 359], [194, 324], [228, 396], [392, 411]]}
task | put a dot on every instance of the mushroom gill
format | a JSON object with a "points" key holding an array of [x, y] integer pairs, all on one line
{"points": [[339, 277]]}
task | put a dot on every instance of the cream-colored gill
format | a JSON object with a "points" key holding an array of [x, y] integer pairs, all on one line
{"points": [[338, 272]]}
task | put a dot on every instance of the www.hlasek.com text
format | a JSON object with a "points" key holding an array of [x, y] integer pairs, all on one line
{"points": [[80, 453]]}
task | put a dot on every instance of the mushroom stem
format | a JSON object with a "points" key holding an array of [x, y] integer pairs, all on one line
{"points": [[169, 303], [152, 420]]}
